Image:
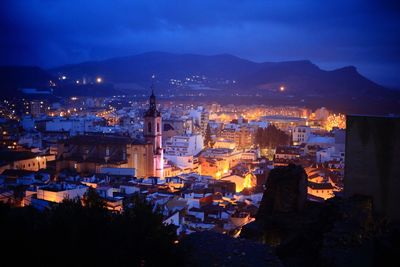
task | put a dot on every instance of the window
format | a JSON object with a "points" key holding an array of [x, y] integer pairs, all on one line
{"points": [[149, 127], [158, 127]]}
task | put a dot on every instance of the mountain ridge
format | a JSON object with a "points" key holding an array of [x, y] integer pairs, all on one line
{"points": [[223, 76]]}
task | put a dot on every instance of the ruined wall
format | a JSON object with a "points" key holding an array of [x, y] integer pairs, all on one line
{"points": [[372, 162]]}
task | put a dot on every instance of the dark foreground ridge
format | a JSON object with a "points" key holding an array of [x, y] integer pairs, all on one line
{"points": [[338, 232], [214, 249]]}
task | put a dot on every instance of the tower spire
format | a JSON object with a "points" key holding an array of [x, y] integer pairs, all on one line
{"points": [[152, 84], [152, 111]]}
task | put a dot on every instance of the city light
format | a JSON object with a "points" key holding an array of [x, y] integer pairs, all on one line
{"points": [[248, 181], [335, 121], [231, 155]]}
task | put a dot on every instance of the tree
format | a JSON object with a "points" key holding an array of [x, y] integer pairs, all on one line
{"points": [[92, 199], [207, 137], [271, 137], [92, 235]]}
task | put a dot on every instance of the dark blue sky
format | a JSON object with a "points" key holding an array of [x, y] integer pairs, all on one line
{"points": [[332, 34]]}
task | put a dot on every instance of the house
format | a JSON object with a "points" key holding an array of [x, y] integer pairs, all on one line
{"points": [[285, 155], [92, 153], [301, 134], [58, 192], [22, 160], [322, 190]]}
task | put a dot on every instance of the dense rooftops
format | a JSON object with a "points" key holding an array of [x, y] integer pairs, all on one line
{"points": [[101, 140]]}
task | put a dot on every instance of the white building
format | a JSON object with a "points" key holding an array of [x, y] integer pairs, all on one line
{"points": [[72, 125], [184, 145], [59, 192], [330, 154], [181, 149], [301, 134], [200, 117]]}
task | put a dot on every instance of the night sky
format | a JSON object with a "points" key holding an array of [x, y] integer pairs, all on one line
{"points": [[332, 34]]}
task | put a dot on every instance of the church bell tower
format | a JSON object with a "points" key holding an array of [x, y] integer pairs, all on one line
{"points": [[153, 134]]}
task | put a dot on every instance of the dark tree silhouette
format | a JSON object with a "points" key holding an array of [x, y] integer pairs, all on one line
{"points": [[72, 234], [271, 137], [207, 138], [92, 199]]}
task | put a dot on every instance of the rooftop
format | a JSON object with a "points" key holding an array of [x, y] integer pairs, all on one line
{"points": [[101, 140], [10, 155], [320, 186]]}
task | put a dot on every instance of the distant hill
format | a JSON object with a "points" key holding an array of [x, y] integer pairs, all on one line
{"points": [[299, 75], [224, 78], [343, 89]]}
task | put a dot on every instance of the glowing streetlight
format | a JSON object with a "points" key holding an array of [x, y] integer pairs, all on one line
{"points": [[282, 88], [99, 80]]}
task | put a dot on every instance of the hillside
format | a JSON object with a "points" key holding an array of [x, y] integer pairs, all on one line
{"points": [[225, 76]]}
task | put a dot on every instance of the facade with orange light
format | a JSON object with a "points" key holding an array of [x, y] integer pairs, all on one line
{"points": [[213, 167], [322, 190], [243, 137], [22, 160], [58, 193]]}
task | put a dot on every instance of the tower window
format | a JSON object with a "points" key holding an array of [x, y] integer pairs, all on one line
{"points": [[158, 127], [149, 127]]}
